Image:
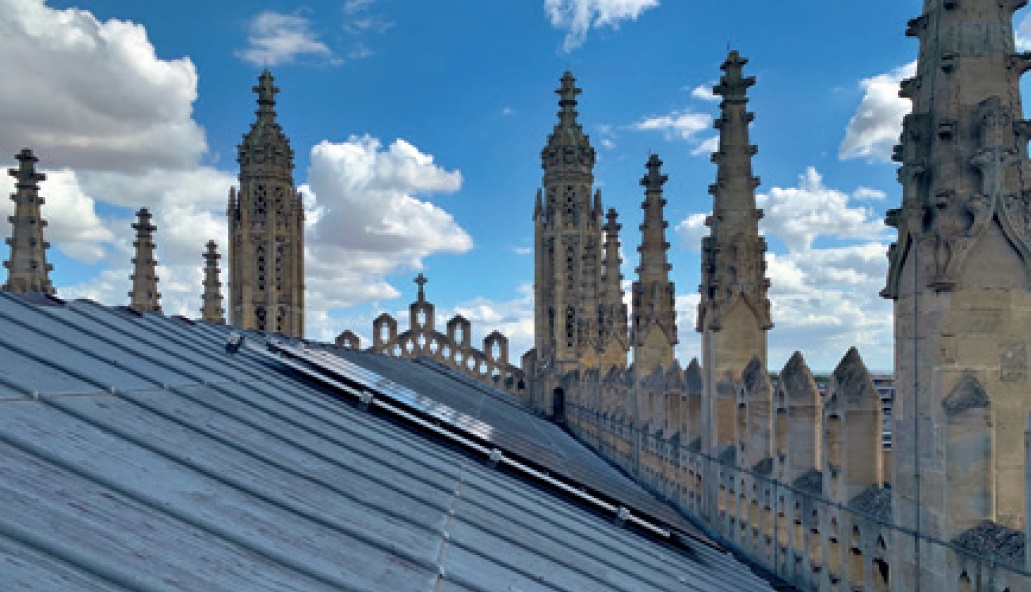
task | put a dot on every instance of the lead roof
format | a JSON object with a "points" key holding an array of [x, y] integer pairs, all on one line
{"points": [[136, 454]]}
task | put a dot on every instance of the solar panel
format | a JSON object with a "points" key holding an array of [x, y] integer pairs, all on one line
{"points": [[517, 448]]}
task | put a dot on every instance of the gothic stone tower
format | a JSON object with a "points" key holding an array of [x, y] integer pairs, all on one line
{"points": [[266, 228], [27, 269], [734, 312], [568, 233], [655, 317], [959, 275], [144, 296]]}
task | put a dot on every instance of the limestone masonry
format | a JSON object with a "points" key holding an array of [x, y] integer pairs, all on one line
{"points": [[821, 486]]}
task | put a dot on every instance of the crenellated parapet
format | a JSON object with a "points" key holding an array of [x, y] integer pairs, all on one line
{"points": [[453, 349]]}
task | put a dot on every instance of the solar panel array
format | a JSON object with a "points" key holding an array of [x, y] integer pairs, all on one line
{"points": [[505, 433]]}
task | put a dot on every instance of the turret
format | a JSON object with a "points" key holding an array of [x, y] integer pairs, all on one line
{"points": [[144, 296], [568, 234], [654, 329], [27, 268], [266, 227], [613, 310]]}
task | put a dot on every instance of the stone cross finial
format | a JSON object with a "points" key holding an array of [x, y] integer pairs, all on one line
{"points": [[421, 281]]}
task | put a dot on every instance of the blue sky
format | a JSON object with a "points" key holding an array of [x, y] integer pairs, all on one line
{"points": [[417, 127]]}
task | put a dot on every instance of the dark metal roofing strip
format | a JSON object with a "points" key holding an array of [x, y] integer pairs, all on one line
{"points": [[201, 524]]}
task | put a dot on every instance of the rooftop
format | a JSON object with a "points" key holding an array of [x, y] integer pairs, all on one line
{"points": [[138, 454]]}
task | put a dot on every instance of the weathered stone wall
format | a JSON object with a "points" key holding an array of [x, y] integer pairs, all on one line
{"points": [[820, 518]]}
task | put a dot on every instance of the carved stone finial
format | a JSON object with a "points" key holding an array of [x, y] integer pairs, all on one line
{"points": [[27, 268], [212, 310], [144, 295]]}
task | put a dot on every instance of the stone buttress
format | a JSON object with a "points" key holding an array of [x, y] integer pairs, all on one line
{"points": [[959, 275]]}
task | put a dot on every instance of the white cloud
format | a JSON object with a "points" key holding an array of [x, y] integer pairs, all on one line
{"points": [[824, 298], [371, 223], [798, 215], [1023, 33], [683, 125], [93, 94], [875, 128], [707, 146], [579, 16], [703, 92], [513, 318], [691, 230], [72, 222], [868, 194], [275, 38], [523, 250]]}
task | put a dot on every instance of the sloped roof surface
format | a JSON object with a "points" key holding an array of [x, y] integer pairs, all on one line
{"points": [[135, 454]]}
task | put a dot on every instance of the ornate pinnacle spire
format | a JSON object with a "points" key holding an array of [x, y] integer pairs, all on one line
{"points": [[212, 310], [733, 84], [655, 319], [27, 269], [266, 91], [613, 323], [144, 295], [966, 110], [568, 147], [265, 145], [654, 266], [567, 99], [732, 255]]}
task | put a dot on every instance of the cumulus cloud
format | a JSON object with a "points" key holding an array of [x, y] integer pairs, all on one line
{"points": [[580, 16], [72, 222], [824, 298], [707, 146], [93, 94], [1023, 33], [684, 125], [373, 218], [703, 92], [275, 38], [798, 215], [875, 128]]}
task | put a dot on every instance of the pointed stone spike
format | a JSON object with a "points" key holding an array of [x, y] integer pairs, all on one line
{"points": [[853, 382], [796, 380], [654, 319], [693, 377]]}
